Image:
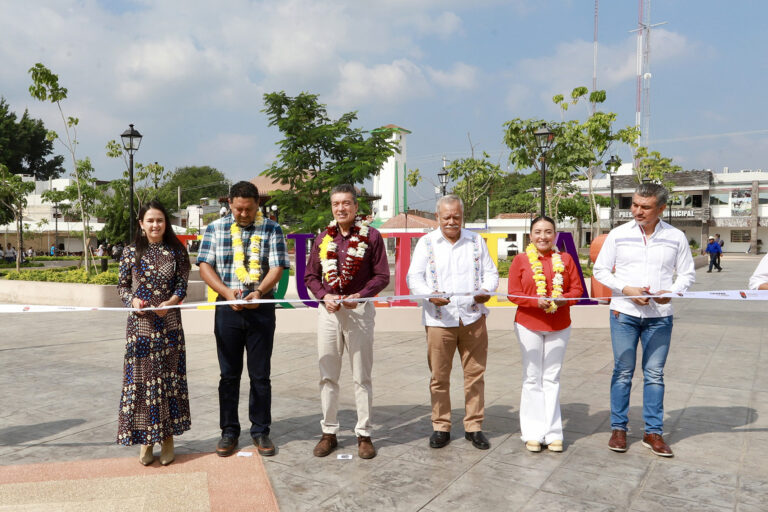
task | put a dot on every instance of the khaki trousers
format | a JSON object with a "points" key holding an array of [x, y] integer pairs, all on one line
{"points": [[350, 330], [472, 342]]}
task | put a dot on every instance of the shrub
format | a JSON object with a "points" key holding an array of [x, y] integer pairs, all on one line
{"points": [[54, 258], [503, 266], [105, 278], [5, 264], [64, 275]]}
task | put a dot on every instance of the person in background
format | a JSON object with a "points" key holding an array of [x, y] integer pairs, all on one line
{"points": [[154, 405], [714, 251], [543, 327], [721, 243], [10, 254]]}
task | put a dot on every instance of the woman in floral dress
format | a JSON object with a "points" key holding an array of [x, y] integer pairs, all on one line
{"points": [[154, 405]]}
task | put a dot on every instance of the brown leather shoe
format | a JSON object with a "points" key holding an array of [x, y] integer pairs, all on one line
{"points": [[326, 445], [227, 445], [365, 447], [618, 442], [657, 445]]}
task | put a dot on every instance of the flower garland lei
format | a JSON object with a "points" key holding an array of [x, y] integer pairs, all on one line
{"points": [[253, 272], [329, 258], [541, 280]]}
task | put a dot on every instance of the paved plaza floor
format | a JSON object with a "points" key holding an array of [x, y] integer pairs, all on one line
{"points": [[60, 382]]}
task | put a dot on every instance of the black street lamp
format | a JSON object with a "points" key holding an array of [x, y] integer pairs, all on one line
{"points": [[131, 141], [443, 177], [612, 166], [544, 139]]}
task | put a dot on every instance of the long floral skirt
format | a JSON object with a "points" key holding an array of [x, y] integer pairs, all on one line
{"points": [[154, 404]]}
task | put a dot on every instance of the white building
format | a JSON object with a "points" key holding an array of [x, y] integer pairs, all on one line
{"points": [[43, 226], [702, 203], [389, 184], [731, 204]]}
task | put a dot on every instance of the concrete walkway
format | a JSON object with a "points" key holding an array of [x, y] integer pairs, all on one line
{"points": [[60, 380]]}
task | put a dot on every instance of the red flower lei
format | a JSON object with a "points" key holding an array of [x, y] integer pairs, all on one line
{"points": [[358, 243]]}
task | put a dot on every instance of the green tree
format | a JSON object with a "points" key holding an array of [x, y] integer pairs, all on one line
{"points": [[318, 153], [195, 182], [25, 147], [45, 87], [79, 200], [513, 194], [111, 206], [590, 141], [474, 178], [414, 177], [652, 166], [579, 150], [147, 178], [14, 198], [525, 154]]}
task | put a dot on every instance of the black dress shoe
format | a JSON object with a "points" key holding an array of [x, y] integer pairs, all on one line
{"points": [[227, 445], [438, 439], [264, 445], [478, 439]]}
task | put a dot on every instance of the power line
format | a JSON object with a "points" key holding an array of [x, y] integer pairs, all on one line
{"points": [[709, 136]]}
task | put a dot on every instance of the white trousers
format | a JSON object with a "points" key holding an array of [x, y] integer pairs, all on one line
{"points": [[542, 353], [350, 330]]}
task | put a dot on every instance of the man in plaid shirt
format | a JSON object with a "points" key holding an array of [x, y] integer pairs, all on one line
{"points": [[244, 326]]}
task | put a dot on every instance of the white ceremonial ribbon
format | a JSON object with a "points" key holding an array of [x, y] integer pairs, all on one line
{"points": [[708, 294]]}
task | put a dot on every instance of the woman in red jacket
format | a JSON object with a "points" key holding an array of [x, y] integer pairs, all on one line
{"points": [[543, 327]]}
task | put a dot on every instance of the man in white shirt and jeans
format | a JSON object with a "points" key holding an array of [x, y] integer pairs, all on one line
{"points": [[455, 260], [646, 254]]}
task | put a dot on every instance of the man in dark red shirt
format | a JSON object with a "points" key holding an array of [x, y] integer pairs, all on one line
{"points": [[347, 261]]}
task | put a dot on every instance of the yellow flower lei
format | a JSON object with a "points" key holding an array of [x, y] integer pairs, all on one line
{"points": [[541, 280], [253, 272]]}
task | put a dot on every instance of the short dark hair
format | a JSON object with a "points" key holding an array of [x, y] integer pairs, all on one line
{"points": [[344, 188], [653, 190], [244, 189], [544, 218]]}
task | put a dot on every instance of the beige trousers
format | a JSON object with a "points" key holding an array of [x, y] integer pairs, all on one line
{"points": [[350, 330], [472, 342]]}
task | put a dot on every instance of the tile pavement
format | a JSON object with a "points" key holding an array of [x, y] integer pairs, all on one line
{"points": [[60, 379]]}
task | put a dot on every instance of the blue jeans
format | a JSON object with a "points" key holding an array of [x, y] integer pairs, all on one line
{"points": [[714, 260], [654, 335]]}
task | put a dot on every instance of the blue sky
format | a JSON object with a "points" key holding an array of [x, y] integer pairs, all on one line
{"points": [[191, 77]]}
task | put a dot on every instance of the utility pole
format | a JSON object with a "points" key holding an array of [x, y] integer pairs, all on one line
{"points": [[643, 94]]}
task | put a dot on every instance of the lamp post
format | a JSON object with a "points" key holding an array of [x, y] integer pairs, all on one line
{"points": [[612, 165], [443, 177], [544, 139], [274, 212], [131, 141]]}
